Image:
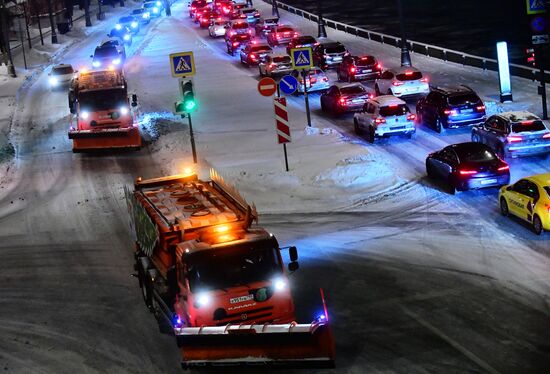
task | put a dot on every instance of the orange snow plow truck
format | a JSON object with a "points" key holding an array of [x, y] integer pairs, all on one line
{"points": [[102, 117], [215, 280]]}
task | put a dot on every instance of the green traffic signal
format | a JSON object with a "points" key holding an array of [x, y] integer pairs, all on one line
{"points": [[188, 96]]}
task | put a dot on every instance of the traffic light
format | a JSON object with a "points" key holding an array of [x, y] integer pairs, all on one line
{"points": [[530, 56], [188, 103]]}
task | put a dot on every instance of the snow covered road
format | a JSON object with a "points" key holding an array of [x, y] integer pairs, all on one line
{"points": [[417, 281]]}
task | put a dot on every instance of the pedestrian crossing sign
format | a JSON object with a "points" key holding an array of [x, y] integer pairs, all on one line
{"points": [[302, 58], [182, 64], [535, 6]]}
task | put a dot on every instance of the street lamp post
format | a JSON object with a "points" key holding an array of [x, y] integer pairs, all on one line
{"points": [[100, 13], [4, 28], [405, 55], [50, 11], [275, 9], [321, 28]]}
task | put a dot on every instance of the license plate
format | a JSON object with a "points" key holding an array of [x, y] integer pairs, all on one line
{"points": [[397, 128], [466, 111], [488, 181], [337, 58], [358, 101], [367, 71]]}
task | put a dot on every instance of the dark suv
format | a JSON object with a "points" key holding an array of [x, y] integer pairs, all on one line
{"points": [[329, 54], [450, 107]]}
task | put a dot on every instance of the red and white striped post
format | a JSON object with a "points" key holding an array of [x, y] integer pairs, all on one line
{"points": [[282, 125]]}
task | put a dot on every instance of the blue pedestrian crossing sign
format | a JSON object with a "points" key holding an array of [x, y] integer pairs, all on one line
{"points": [[182, 64], [288, 84], [535, 6], [302, 58]]}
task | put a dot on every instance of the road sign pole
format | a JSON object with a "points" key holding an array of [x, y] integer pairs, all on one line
{"points": [[286, 157], [540, 58], [306, 98], [193, 150]]}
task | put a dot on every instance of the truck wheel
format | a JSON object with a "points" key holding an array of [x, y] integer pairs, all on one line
{"points": [[146, 288]]}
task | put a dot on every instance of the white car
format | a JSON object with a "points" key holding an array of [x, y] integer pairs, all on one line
{"points": [[217, 28], [403, 81], [61, 75], [384, 116]]}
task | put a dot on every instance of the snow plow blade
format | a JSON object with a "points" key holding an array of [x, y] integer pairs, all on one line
{"points": [[120, 138], [287, 345]]}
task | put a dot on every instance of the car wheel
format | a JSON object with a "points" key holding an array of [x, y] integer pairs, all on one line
{"points": [[504, 207], [451, 189], [261, 73], [410, 135], [377, 90], [537, 225], [323, 106], [430, 171], [356, 127], [370, 132]]}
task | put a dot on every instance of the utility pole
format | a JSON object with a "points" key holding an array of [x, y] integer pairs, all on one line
{"points": [[22, 41], [405, 55], [168, 11], [275, 9], [4, 28], [321, 29], [54, 35]]}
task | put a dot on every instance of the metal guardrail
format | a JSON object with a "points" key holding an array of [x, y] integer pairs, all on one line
{"points": [[440, 53]]}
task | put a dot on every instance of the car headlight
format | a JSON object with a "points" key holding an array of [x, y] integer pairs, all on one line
{"points": [[202, 299], [155, 10], [116, 61], [146, 15], [158, 3], [123, 110], [118, 26], [84, 114], [53, 81], [279, 284], [134, 24], [96, 64], [126, 37]]}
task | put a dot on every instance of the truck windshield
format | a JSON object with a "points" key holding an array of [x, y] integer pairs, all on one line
{"points": [[231, 266], [102, 100]]}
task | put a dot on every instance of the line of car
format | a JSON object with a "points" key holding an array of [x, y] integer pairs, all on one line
{"points": [[383, 112]]}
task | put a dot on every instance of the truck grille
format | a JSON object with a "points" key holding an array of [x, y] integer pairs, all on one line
{"points": [[255, 315]]}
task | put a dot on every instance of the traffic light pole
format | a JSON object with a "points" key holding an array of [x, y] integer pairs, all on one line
{"points": [[306, 98], [192, 138], [540, 58]]}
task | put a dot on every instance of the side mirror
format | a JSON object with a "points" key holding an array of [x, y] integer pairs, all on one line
{"points": [[293, 266], [293, 253]]}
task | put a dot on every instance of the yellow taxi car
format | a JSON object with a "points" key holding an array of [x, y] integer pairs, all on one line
{"points": [[528, 199]]}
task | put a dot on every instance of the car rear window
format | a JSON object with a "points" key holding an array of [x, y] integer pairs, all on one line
{"points": [[409, 76], [528, 126], [285, 29], [335, 48], [364, 61], [240, 25], [63, 70], [260, 48], [247, 11], [394, 110], [474, 153], [352, 90], [469, 98], [282, 59]]}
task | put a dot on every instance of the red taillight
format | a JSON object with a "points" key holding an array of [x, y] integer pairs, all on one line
{"points": [[546, 136], [256, 14], [352, 69], [397, 83], [313, 80], [253, 56], [278, 36], [408, 73], [379, 120], [479, 108], [411, 117], [325, 79], [231, 33], [250, 31], [193, 8], [271, 66], [235, 44], [424, 80], [379, 66], [514, 139], [467, 172], [504, 167], [295, 34], [342, 101], [449, 112]]}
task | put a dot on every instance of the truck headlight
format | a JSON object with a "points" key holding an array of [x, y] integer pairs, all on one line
{"points": [[116, 61], [158, 3], [203, 299], [118, 26], [123, 110], [279, 284], [134, 24], [126, 37], [96, 64], [155, 10], [84, 114], [53, 81]]}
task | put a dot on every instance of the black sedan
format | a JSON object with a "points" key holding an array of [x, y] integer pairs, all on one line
{"points": [[466, 166], [344, 98]]}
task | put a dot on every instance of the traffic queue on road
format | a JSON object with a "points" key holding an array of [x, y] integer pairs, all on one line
{"points": [[381, 107]]}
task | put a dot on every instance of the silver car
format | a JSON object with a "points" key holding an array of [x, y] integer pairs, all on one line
{"points": [[316, 80], [275, 65], [60, 76], [217, 28]]}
